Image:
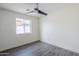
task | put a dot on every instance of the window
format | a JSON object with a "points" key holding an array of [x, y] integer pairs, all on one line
{"points": [[23, 26]]}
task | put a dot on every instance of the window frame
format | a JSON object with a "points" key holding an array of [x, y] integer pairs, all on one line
{"points": [[24, 26]]}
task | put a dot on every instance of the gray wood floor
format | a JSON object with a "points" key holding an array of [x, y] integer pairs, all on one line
{"points": [[38, 49]]}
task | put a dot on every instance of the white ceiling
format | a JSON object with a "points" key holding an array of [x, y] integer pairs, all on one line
{"points": [[22, 7]]}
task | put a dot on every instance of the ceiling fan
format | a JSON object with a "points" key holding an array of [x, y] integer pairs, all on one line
{"points": [[37, 10]]}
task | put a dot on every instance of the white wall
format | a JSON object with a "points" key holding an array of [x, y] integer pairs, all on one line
{"points": [[8, 36], [61, 28]]}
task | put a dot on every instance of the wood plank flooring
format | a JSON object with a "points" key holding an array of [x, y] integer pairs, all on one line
{"points": [[38, 49]]}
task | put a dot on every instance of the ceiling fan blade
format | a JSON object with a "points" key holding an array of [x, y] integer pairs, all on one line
{"points": [[30, 11], [41, 12]]}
